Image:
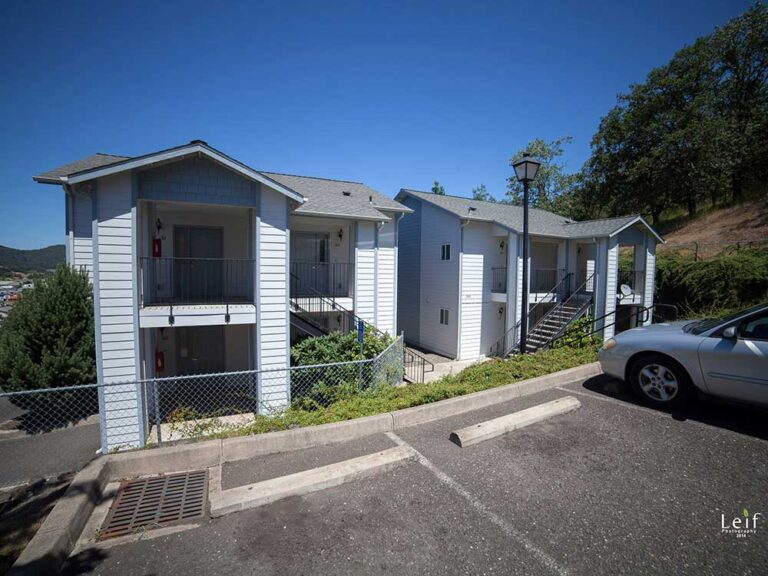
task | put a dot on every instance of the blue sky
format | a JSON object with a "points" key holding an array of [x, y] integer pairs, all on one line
{"points": [[395, 94]]}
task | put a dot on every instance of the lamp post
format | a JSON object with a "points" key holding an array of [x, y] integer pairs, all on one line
{"points": [[525, 171]]}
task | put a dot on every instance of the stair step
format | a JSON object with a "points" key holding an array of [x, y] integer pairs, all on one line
{"points": [[546, 330]]}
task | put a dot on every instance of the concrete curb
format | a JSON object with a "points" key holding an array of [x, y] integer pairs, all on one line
{"points": [[207, 453], [301, 483], [503, 424], [56, 538], [477, 400]]}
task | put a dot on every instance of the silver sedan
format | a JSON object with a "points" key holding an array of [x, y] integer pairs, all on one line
{"points": [[666, 363]]}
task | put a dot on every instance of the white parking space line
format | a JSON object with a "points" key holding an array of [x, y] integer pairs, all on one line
{"points": [[481, 508]]}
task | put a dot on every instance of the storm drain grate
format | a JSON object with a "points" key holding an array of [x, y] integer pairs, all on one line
{"points": [[149, 502]]}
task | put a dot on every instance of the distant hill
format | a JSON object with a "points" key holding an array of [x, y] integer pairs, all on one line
{"points": [[13, 260]]}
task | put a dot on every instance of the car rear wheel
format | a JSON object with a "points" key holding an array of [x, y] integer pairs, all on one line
{"points": [[660, 381]]}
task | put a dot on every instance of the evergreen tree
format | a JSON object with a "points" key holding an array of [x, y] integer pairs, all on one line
{"points": [[47, 340], [481, 193]]}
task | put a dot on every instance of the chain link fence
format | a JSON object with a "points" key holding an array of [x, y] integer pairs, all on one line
{"points": [[175, 408]]}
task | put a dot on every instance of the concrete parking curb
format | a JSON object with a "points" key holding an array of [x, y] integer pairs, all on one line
{"points": [[209, 453], [301, 483], [56, 538], [503, 424]]}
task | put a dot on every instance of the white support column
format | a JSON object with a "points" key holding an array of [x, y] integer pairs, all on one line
{"points": [[650, 276], [365, 271], [562, 257], [611, 280], [573, 263], [114, 291], [385, 277], [512, 281], [272, 346], [599, 279]]}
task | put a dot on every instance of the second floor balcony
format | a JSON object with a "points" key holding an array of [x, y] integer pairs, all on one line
{"points": [[333, 279], [542, 280], [189, 281]]}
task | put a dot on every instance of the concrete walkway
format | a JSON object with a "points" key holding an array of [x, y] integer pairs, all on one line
{"points": [[448, 367]]}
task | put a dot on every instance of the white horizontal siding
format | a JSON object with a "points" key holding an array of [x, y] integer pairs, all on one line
{"points": [[439, 280], [114, 292], [272, 344], [385, 292], [650, 275], [471, 305], [365, 272]]}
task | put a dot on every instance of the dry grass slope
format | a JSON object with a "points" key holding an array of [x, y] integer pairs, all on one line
{"points": [[720, 230]]}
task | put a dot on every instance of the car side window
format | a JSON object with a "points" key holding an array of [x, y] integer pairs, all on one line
{"points": [[755, 328]]}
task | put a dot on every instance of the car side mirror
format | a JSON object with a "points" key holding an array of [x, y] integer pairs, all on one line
{"points": [[730, 333]]}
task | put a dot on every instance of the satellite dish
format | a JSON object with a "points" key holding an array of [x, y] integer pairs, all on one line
{"points": [[626, 290]]}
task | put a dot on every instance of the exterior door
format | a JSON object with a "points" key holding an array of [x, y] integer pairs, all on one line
{"points": [[198, 265], [310, 261], [738, 367], [200, 350]]}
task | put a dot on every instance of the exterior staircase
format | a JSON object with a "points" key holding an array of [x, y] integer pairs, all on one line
{"points": [[317, 315], [570, 306], [556, 322]]}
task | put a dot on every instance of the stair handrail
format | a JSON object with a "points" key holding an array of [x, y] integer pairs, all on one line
{"points": [[515, 330], [563, 303], [331, 302], [564, 329], [428, 366], [640, 311]]}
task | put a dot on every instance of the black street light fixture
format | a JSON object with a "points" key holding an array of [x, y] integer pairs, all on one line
{"points": [[525, 171]]}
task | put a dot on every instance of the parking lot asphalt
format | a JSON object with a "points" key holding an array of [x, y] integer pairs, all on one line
{"points": [[28, 457], [611, 488]]}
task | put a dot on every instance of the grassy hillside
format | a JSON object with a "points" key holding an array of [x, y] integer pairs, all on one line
{"points": [[720, 230], [40, 260]]}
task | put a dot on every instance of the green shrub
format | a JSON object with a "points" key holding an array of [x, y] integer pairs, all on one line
{"points": [[48, 338], [728, 281], [316, 388], [338, 347], [578, 335], [47, 341]]}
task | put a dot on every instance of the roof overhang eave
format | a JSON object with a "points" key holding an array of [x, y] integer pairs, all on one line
{"points": [[180, 152], [46, 180], [634, 221], [403, 209], [382, 218]]}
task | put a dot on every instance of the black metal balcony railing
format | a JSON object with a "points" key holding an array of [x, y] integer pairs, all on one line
{"points": [[196, 281], [325, 278], [499, 280], [544, 279]]}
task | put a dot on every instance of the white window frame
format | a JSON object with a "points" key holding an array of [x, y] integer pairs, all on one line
{"points": [[445, 249], [444, 317]]}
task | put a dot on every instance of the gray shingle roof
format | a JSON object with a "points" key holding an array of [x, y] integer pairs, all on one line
{"points": [[601, 227], [338, 197], [322, 195], [88, 163], [540, 222]]}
